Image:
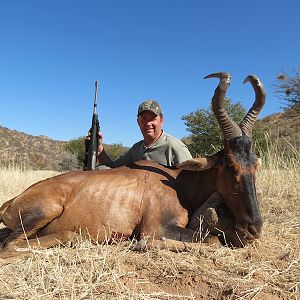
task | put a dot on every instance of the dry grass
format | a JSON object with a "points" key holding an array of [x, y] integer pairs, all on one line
{"points": [[267, 270]]}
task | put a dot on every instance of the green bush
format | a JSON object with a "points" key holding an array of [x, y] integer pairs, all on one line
{"points": [[206, 136]]}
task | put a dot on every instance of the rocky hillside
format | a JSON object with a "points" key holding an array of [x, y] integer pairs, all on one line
{"points": [[36, 152], [40, 152], [285, 126]]}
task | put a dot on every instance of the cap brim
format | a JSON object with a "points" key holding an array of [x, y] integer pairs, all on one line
{"points": [[155, 112]]}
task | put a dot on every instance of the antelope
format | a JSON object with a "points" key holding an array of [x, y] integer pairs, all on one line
{"points": [[144, 199]]}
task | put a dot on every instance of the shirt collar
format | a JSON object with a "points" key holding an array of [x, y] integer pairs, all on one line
{"points": [[156, 142]]}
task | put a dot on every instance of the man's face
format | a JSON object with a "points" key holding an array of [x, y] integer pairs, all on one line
{"points": [[150, 124]]}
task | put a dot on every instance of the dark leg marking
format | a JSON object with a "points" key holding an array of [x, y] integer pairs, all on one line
{"points": [[175, 232], [30, 222], [4, 233]]}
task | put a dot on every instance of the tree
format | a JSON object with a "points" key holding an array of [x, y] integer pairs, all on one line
{"points": [[206, 136], [76, 148], [69, 162], [115, 150], [287, 88]]}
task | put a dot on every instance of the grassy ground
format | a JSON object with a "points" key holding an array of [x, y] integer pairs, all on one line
{"points": [[267, 270]]}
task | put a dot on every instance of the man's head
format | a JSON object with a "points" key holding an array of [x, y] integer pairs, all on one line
{"points": [[150, 120], [150, 105]]}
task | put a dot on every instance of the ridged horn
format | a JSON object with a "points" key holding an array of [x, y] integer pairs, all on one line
{"points": [[229, 128], [260, 97]]}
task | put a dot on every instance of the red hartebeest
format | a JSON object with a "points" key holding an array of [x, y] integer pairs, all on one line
{"points": [[144, 199]]}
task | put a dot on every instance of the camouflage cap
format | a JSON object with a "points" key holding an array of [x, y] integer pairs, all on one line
{"points": [[150, 105]]}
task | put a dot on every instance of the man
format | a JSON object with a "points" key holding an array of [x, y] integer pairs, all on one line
{"points": [[156, 145]]}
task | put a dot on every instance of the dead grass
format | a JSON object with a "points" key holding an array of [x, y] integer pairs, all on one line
{"points": [[14, 180], [267, 270]]}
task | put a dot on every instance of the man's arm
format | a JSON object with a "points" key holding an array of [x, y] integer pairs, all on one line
{"points": [[182, 154], [180, 150], [103, 158]]}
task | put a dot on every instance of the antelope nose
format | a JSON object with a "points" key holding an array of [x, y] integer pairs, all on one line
{"points": [[250, 230], [255, 230]]}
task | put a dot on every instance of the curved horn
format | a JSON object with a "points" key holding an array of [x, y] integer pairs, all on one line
{"points": [[260, 96], [229, 127]]}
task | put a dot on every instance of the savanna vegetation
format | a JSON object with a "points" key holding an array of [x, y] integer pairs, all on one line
{"points": [[287, 88], [268, 269]]}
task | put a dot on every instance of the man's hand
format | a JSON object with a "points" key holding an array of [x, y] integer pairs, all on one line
{"points": [[100, 145], [100, 139]]}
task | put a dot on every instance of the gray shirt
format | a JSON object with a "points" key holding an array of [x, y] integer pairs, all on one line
{"points": [[167, 151]]}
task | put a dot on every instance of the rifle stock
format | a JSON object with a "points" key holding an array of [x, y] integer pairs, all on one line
{"points": [[92, 143]]}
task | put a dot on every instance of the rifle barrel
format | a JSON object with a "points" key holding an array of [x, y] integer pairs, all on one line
{"points": [[96, 96]]}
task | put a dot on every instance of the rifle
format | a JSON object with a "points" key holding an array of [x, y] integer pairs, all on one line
{"points": [[91, 145]]}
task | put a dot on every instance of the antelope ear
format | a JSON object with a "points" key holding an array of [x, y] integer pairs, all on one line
{"points": [[197, 164]]}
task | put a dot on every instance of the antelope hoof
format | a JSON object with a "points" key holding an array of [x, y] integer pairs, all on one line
{"points": [[141, 245]]}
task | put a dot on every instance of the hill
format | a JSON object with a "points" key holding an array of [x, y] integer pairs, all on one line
{"points": [[36, 152], [285, 126], [41, 152]]}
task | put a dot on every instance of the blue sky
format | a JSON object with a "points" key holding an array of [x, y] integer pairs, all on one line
{"points": [[53, 51]]}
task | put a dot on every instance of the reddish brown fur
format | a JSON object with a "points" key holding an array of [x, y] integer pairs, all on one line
{"points": [[146, 200], [97, 203]]}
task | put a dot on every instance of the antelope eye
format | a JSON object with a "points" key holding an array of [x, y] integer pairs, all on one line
{"points": [[232, 170], [237, 178]]}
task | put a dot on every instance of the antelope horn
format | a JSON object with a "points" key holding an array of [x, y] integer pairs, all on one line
{"points": [[229, 128], [260, 96]]}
